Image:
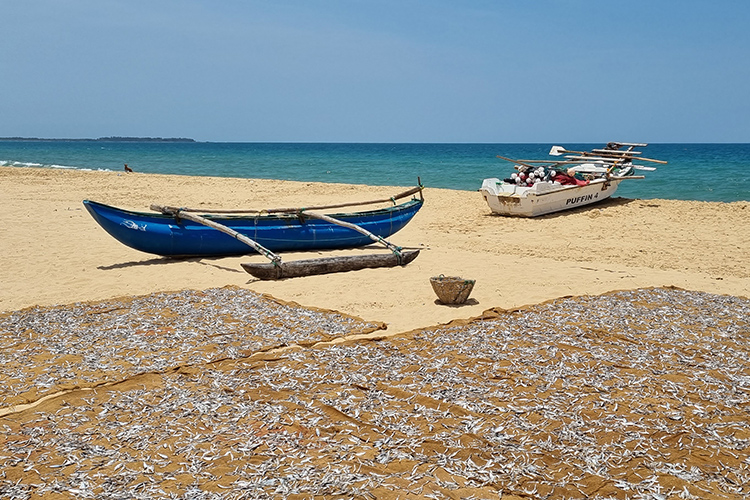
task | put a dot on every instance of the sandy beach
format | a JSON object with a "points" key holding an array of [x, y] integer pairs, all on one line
{"points": [[602, 353], [54, 253]]}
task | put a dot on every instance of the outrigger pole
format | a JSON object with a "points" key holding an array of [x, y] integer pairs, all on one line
{"points": [[183, 214], [276, 269], [325, 265]]}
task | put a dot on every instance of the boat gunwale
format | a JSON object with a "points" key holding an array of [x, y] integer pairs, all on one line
{"points": [[267, 216], [561, 189]]}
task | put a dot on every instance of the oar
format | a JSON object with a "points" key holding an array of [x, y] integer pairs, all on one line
{"points": [[629, 151], [610, 159], [631, 145], [547, 162], [595, 159], [177, 212], [559, 150], [516, 161]]}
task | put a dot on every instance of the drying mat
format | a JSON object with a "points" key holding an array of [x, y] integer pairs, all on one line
{"points": [[641, 394], [44, 350]]}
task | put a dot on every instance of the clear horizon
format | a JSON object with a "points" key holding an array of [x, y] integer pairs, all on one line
{"points": [[191, 140], [377, 72]]}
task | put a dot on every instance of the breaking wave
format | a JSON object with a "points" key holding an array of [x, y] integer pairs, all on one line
{"points": [[22, 164]]}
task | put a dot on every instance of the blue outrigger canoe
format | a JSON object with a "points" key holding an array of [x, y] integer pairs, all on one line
{"points": [[173, 236]]}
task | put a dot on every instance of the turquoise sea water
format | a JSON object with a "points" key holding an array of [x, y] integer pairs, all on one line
{"points": [[705, 172]]}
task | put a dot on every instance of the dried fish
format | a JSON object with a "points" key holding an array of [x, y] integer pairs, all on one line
{"points": [[633, 394]]}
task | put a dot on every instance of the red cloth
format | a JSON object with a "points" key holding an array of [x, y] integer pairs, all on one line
{"points": [[567, 180]]}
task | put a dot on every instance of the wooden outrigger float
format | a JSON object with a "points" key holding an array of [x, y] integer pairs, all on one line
{"points": [[180, 232], [310, 267]]}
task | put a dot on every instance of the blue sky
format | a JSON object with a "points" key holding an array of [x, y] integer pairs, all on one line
{"points": [[377, 71]]}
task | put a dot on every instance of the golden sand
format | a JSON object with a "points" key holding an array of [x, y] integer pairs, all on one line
{"points": [[130, 374], [54, 253]]}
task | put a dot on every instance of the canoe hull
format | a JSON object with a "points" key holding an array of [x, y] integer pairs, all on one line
{"points": [[167, 236], [511, 200]]}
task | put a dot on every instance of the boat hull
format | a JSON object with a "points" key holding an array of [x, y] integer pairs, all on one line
{"points": [[508, 199], [168, 236]]}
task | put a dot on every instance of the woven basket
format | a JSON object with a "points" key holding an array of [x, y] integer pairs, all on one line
{"points": [[452, 289]]}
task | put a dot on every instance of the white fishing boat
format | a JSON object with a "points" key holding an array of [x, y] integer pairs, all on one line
{"points": [[581, 178]]}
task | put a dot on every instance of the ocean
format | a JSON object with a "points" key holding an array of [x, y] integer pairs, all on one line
{"points": [[703, 172]]}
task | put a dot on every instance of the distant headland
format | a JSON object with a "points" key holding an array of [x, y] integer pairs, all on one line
{"points": [[103, 139]]}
